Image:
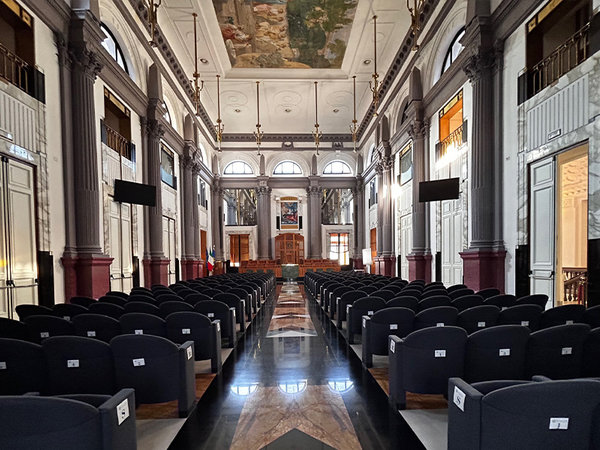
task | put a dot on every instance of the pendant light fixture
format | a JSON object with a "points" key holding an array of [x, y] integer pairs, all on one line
{"points": [[415, 15], [354, 125], [198, 84], [258, 134], [153, 19], [317, 134], [219, 127], [374, 85]]}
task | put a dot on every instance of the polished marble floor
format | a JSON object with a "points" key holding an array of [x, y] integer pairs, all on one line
{"points": [[292, 382]]}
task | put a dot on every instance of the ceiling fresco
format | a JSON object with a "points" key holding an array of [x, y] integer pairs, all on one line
{"points": [[300, 34]]}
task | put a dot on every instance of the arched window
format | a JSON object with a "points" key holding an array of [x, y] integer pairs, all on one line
{"points": [[167, 115], [238, 168], [373, 154], [337, 168], [113, 48], [287, 168], [454, 50]]}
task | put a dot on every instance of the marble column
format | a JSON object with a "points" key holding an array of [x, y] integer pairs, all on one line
{"points": [[263, 216], [217, 223], [87, 269], [156, 266], [385, 262], [314, 193], [199, 257], [419, 259], [484, 260], [189, 204], [358, 194]]}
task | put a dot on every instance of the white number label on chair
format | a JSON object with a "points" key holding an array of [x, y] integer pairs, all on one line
{"points": [[393, 326], [393, 346], [559, 423], [480, 324], [569, 322], [2, 365], [364, 323], [209, 315], [567, 351], [218, 326], [91, 334], [139, 362], [369, 313], [44, 334], [72, 363], [189, 352], [67, 317], [439, 353], [504, 352], [459, 398], [524, 323], [439, 324], [122, 411], [139, 331], [185, 331]]}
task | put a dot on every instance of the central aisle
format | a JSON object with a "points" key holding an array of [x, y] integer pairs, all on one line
{"points": [[293, 383]]}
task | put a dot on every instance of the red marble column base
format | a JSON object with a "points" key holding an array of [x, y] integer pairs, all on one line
{"points": [[86, 275], [385, 265], [189, 269], [419, 267], [156, 271], [484, 269], [357, 263], [200, 269]]}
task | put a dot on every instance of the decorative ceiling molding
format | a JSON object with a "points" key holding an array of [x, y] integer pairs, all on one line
{"points": [[169, 56], [282, 137], [401, 56]]}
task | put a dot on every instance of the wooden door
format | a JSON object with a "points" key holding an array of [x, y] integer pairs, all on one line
{"points": [[373, 248], [239, 249]]}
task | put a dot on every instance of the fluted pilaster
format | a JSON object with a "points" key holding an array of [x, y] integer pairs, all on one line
{"points": [[263, 194], [314, 194]]}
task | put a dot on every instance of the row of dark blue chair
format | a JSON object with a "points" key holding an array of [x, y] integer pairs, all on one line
{"points": [[424, 360], [178, 327], [506, 414], [158, 369]]}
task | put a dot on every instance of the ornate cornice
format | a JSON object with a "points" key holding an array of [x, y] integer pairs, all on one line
{"points": [[283, 137]]}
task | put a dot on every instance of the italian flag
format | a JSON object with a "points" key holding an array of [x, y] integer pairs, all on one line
{"points": [[210, 259]]}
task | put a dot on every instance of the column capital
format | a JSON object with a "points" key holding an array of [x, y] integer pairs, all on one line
{"points": [[314, 190], [154, 129], [479, 63], [418, 129], [86, 60], [262, 190], [187, 162], [196, 168]]}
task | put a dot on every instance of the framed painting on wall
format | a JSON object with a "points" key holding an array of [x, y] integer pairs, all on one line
{"points": [[289, 213]]}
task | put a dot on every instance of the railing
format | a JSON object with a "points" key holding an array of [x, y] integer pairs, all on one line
{"points": [[562, 60], [117, 142], [575, 285], [454, 140], [13, 69]]}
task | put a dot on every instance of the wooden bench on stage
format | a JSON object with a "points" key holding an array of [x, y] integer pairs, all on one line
{"points": [[274, 266]]}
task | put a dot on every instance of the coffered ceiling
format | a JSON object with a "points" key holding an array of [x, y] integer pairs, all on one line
{"points": [[287, 103]]}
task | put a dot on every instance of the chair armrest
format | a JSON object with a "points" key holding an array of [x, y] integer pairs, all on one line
{"points": [[187, 378], [230, 332], [242, 316], [117, 418], [464, 415], [215, 347], [367, 352], [396, 375]]}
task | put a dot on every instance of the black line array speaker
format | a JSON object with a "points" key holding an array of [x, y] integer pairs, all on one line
{"points": [[278, 222], [300, 222]]}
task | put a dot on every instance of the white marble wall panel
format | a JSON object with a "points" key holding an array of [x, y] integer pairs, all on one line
{"points": [[587, 73]]}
